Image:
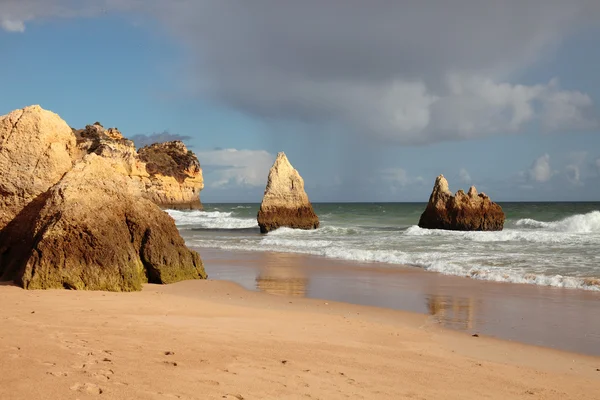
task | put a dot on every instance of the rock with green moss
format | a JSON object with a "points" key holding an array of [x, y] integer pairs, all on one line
{"points": [[93, 231]]}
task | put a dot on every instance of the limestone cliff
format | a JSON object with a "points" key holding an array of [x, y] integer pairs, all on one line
{"points": [[463, 212], [36, 149], [175, 175], [285, 203], [73, 212], [92, 231], [166, 173]]}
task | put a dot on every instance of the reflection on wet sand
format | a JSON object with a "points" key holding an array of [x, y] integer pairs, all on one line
{"points": [[452, 312], [281, 279], [560, 318]]}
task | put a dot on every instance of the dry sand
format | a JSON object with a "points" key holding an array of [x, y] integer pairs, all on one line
{"points": [[215, 340]]}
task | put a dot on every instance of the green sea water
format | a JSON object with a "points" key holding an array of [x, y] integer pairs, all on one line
{"points": [[555, 244]]}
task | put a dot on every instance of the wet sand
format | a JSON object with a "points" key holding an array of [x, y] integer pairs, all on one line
{"points": [[216, 340], [564, 319]]}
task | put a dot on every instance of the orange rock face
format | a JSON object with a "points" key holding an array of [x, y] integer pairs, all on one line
{"points": [[461, 212], [80, 210], [285, 202]]}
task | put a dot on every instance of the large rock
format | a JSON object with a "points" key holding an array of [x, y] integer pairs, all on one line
{"points": [[460, 212], [93, 231], [110, 144], [175, 175], [285, 202], [166, 173], [36, 149]]}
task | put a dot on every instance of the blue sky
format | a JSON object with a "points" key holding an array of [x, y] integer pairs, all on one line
{"points": [[370, 101]]}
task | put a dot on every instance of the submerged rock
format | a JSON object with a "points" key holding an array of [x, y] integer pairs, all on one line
{"points": [[460, 212], [175, 175], [285, 203], [92, 231], [36, 149]]}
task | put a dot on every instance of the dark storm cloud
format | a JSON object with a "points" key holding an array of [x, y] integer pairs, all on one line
{"points": [[407, 71], [142, 140]]}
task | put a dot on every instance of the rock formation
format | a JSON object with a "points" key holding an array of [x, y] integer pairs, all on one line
{"points": [[92, 231], [74, 209], [36, 149], [175, 175], [285, 202], [166, 173], [460, 212]]}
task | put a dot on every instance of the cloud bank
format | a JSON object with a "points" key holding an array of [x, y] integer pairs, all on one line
{"points": [[225, 168], [407, 72]]}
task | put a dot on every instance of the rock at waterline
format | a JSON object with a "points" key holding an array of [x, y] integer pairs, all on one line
{"points": [[461, 212], [285, 203]]}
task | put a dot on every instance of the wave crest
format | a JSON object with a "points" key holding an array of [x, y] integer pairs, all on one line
{"points": [[210, 220], [579, 223]]}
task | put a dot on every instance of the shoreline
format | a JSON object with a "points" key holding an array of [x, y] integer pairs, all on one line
{"points": [[558, 318], [216, 340]]}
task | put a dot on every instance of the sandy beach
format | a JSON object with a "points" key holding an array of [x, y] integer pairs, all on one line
{"points": [[216, 340], [563, 319]]}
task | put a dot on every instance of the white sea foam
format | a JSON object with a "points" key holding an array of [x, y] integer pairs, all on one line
{"points": [[210, 220], [580, 223], [545, 235], [324, 230], [433, 261], [556, 253]]}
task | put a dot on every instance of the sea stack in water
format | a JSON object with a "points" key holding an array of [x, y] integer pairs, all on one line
{"points": [[461, 212], [285, 202]]}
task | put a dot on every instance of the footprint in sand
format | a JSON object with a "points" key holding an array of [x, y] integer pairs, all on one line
{"points": [[57, 373], [103, 375], [233, 396], [210, 382], [48, 363], [89, 388]]}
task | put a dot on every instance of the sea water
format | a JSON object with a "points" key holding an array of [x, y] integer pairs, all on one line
{"points": [[551, 244]]}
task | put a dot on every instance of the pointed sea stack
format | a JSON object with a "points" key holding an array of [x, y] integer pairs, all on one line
{"points": [[285, 202], [461, 212]]}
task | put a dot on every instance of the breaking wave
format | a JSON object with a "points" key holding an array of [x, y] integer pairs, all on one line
{"points": [[561, 253], [210, 220]]}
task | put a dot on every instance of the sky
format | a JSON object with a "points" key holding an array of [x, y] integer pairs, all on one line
{"points": [[369, 100]]}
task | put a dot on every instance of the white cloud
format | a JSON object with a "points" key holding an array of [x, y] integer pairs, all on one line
{"points": [[11, 25], [598, 165], [399, 177], [567, 110], [540, 170], [573, 174], [231, 167], [464, 176]]}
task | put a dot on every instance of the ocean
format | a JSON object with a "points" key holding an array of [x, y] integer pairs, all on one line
{"points": [[548, 244]]}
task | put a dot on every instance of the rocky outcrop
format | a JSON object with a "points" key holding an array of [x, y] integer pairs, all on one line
{"points": [[461, 212], [92, 231], [175, 175], [111, 145], [285, 202], [166, 173], [36, 149]]}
